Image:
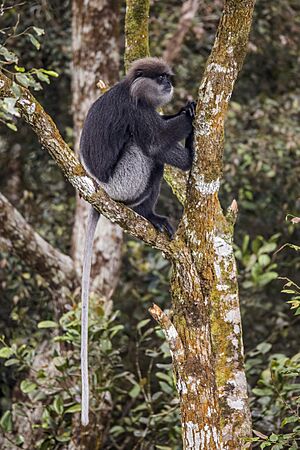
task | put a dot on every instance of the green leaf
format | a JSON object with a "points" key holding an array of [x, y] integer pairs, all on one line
{"points": [[265, 444], [6, 352], [267, 248], [42, 77], [116, 430], [8, 56], [291, 419], [264, 260], [51, 73], [12, 126], [11, 362], [134, 392], [266, 278], [264, 347], [143, 323], [245, 243], [34, 41], [6, 422], [27, 386], [73, 409], [23, 79], [59, 362], [164, 377], [9, 105], [19, 69], [58, 405], [38, 31], [165, 387], [63, 437], [114, 330], [273, 438], [16, 89], [262, 392], [47, 324], [19, 440]]}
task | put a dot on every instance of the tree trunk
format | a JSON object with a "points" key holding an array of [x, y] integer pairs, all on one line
{"points": [[206, 304], [95, 57]]}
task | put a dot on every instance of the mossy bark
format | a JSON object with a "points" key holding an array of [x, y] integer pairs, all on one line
{"points": [[213, 313], [136, 30]]}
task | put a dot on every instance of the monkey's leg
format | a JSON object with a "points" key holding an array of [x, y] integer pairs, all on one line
{"points": [[161, 223], [146, 207]]}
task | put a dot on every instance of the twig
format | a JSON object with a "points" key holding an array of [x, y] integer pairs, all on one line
{"points": [[172, 337]]}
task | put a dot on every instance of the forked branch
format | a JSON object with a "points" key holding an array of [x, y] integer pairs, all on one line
{"points": [[50, 138]]}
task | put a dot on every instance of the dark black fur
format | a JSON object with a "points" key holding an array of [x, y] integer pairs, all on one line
{"points": [[117, 120]]}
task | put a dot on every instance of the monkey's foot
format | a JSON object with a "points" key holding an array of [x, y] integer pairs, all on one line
{"points": [[162, 224]]}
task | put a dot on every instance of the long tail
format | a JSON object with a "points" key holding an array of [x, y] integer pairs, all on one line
{"points": [[85, 286]]}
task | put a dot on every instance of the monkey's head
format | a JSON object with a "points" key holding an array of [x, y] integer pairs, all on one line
{"points": [[150, 81]]}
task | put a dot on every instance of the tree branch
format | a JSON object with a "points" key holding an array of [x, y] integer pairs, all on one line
{"points": [[51, 140], [55, 267], [172, 337], [174, 43], [216, 88]]}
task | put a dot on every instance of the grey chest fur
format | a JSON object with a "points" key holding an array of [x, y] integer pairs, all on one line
{"points": [[130, 177]]}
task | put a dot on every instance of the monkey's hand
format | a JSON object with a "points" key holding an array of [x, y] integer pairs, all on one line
{"points": [[189, 109]]}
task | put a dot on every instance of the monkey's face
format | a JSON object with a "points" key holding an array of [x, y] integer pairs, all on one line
{"points": [[155, 90], [165, 88]]}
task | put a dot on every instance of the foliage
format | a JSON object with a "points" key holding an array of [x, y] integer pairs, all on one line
{"points": [[151, 415], [276, 403], [261, 172], [54, 384], [257, 267], [9, 64], [276, 407]]}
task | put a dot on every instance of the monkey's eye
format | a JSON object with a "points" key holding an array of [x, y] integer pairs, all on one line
{"points": [[164, 77]]}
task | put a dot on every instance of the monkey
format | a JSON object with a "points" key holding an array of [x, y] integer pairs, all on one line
{"points": [[124, 146]]}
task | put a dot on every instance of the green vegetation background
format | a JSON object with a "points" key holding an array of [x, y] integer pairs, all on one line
{"points": [[129, 355]]}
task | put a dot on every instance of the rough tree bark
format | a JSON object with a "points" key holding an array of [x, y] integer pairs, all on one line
{"points": [[95, 34], [204, 331], [95, 56]]}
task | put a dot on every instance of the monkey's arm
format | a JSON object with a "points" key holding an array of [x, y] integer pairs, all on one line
{"points": [[174, 130], [177, 156], [177, 127]]}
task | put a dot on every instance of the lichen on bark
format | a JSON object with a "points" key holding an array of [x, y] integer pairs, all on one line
{"points": [[136, 30]]}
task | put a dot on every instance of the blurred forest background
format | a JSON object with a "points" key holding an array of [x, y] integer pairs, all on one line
{"points": [[129, 356]]}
